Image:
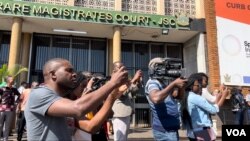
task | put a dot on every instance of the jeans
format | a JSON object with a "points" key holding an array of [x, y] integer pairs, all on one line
{"points": [[248, 115], [239, 117], [166, 136]]}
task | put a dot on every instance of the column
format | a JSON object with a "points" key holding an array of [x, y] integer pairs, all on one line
{"points": [[118, 5], [200, 11], [201, 53], [110, 58], [117, 44], [25, 53], [15, 42], [71, 2], [161, 7]]}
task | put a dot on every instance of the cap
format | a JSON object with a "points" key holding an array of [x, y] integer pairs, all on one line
{"points": [[153, 62]]}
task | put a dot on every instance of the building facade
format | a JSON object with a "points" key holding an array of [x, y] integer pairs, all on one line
{"points": [[93, 34]]}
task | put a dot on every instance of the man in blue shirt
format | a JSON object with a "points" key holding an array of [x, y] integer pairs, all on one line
{"points": [[164, 107]]}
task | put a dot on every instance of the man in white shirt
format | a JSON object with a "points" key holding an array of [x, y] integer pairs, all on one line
{"points": [[211, 98]]}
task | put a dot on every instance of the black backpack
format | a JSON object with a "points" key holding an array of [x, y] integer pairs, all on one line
{"points": [[237, 102]]}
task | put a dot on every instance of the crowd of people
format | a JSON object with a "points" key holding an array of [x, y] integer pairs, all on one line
{"points": [[74, 106]]}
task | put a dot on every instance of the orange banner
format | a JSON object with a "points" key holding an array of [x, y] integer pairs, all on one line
{"points": [[237, 10]]}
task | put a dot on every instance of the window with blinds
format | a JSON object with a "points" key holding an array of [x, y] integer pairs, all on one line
{"points": [[4, 48], [85, 54]]}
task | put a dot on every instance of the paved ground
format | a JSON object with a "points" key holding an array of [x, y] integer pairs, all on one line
{"points": [[141, 134], [13, 137], [136, 134], [145, 134]]}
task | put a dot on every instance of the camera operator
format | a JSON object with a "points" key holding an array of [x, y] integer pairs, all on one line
{"points": [[90, 127], [163, 82], [123, 107]]}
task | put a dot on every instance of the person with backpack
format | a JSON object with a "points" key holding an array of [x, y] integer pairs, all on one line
{"points": [[238, 105], [248, 105]]}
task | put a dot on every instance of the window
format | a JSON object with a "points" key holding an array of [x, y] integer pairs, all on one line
{"points": [[80, 51], [85, 54], [4, 48], [98, 57], [157, 50], [174, 51]]}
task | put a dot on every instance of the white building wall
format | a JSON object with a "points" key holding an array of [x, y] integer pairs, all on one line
{"points": [[194, 55]]}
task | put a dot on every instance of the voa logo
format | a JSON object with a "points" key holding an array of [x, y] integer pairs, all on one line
{"points": [[236, 132]]}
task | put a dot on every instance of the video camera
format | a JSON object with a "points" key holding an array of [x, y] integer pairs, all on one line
{"points": [[168, 68], [99, 81]]}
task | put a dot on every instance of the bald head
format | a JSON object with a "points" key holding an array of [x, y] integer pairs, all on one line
{"points": [[52, 65], [117, 65]]}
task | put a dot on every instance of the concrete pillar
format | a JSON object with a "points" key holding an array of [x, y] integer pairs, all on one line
{"points": [[110, 58], [71, 2], [118, 5], [117, 44], [200, 10], [161, 7], [25, 53], [201, 53], [15, 42]]}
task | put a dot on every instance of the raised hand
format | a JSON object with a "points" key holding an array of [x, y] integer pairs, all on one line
{"points": [[90, 83], [119, 77], [225, 91], [137, 76], [117, 92], [222, 87], [180, 82]]}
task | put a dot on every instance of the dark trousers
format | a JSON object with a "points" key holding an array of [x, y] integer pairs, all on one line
{"points": [[20, 125], [191, 139], [248, 115], [100, 136], [5, 123], [239, 117]]}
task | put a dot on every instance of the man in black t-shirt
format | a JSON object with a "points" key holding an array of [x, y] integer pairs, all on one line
{"points": [[7, 106]]}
